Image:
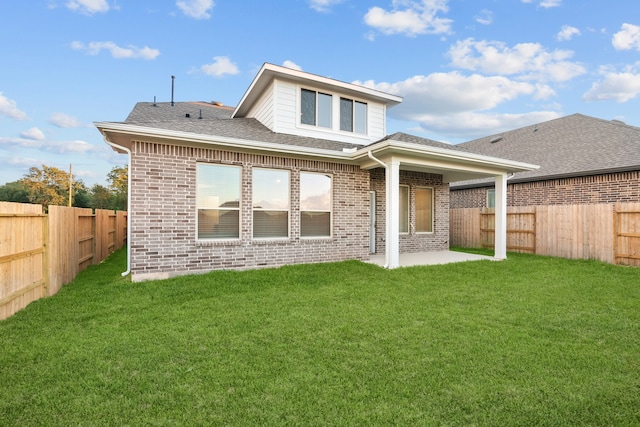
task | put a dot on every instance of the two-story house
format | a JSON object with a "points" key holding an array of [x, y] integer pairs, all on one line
{"points": [[300, 171]]}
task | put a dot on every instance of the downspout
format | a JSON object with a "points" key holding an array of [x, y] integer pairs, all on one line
{"points": [[386, 245], [115, 146]]}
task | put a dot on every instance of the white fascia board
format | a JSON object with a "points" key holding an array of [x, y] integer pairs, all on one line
{"points": [[232, 143], [419, 150], [269, 72]]}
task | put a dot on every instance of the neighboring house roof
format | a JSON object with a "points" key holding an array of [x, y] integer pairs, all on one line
{"points": [[575, 145]]}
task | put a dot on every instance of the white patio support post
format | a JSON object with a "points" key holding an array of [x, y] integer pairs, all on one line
{"points": [[393, 213], [501, 218]]}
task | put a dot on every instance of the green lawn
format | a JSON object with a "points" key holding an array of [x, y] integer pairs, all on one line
{"points": [[531, 341]]}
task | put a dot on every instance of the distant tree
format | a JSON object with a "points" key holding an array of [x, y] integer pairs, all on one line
{"points": [[101, 197], [82, 197], [118, 184], [14, 192], [49, 186]]}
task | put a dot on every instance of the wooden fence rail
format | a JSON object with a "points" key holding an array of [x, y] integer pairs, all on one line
{"points": [[41, 252], [607, 232]]}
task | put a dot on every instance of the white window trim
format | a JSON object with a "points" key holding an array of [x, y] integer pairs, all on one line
{"points": [[433, 213], [330, 236], [279, 239], [239, 208]]}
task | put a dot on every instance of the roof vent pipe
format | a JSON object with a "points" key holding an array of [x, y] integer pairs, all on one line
{"points": [[173, 78]]}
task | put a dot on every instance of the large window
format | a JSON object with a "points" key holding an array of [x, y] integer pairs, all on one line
{"points": [[315, 205], [353, 116], [424, 210], [218, 201], [404, 209], [315, 108], [270, 203]]}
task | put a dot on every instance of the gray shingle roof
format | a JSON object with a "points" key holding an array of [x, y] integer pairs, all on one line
{"points": [[404, 137], [216, 121], [574, 145]]}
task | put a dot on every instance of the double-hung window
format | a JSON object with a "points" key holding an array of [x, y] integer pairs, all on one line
{"points": [[353, 116], [424, 210], [315, 205], [218, 201], [404, 209], [315, 108], [271, 203]]}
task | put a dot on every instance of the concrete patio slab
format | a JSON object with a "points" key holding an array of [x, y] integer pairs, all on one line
{"points": [[431, 258]]}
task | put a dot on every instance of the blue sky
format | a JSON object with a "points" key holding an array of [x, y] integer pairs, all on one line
{"points": [[466, 68]]}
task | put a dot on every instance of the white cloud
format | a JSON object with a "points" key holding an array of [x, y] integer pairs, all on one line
{"points": [[616, 86], [459, 106], [627, 38], [410, 18], [63, 120], [221, 65], [9, 108], [117, 52], [567, 33], [526, 60], [34, 133], [471, 125], [485, 17], [60, 147], [546, 3], [323, 5], [88, 7], [198, 9], [292, 65]]}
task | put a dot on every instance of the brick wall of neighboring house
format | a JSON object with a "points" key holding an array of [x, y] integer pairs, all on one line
{"points": [[592, 189], [163, 215], [414, 242]]}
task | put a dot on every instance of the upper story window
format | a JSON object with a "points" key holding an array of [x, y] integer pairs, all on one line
{"points": [[271, 203], [218, 201], [316, 108], [353, 116]]}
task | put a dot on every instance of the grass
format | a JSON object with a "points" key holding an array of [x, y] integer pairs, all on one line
{"points": [[528, 341]]}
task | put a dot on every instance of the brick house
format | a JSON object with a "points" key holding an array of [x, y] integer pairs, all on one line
{"points": [[583, 160], [300, 171]]}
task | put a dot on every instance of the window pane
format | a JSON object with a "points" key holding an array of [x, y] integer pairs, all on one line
{"points": [[424, 210], [315, 205], [270, 189], [218, 186], [308, 107], [491, 198], [315, 224], [361, 117], [404, 209], [315, 192], [346, 114], [218, 224], [270, 224], [324, 110]]}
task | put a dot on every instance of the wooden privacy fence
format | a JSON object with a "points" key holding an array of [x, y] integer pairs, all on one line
{"points": [[607, 232], [39, 253]]}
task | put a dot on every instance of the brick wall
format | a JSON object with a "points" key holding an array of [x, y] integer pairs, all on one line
{"points": [[414, 242], [163, 214], [593, 189]]}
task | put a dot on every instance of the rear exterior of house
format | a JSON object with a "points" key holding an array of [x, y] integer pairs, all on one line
{"points": [[301, 171]]}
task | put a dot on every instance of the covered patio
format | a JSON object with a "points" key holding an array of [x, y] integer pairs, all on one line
{"points": [[430, 258]]}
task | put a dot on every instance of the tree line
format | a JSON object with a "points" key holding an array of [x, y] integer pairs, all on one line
{"points": [[50, 186]]}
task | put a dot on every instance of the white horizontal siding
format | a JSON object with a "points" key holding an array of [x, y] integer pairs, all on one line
{"points": [[278, 109], [263, 111]]}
